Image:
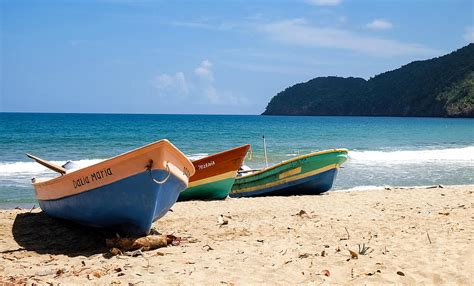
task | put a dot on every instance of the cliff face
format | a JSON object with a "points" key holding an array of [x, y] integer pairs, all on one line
{"points": [[442, 87]]}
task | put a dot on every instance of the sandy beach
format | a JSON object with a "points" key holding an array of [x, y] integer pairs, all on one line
{"points": [[397, 235]]}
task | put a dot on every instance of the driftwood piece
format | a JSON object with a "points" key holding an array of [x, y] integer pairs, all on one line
{"points": [[354, 254], [144, 243]]}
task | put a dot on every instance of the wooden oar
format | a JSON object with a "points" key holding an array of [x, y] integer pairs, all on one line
{"points": [[48, 164]]}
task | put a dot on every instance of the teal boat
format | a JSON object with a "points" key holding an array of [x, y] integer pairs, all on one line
{"points": [[313, 173]]}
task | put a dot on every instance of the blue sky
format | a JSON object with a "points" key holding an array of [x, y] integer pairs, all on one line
{"points": [[207, 57]]}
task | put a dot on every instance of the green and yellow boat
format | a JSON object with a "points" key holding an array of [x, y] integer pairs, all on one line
{"points": [[313, 173], [214, 175]]}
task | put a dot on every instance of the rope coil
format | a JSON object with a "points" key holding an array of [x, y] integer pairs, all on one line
{"points": [[250, 154], [149, 168]]}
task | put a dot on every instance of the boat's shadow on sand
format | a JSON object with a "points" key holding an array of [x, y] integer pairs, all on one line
{"points": [[46, 235]]}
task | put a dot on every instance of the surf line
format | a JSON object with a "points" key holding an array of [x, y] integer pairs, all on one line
{"points": [[95, 176]]}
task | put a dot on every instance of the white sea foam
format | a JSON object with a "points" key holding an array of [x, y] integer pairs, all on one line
{"points": [[32, 168], [11, 169], [378, 188], [361, 188], [28, 168], [293, 154], [452, 155], [197, 156]]}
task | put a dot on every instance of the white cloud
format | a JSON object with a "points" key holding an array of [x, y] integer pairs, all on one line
{"points": [[379, 24], [204, 70], [469, 34], [202, 25], [299, 32], [211, 94], [205, 24], [324, 2], [171, 83], [207, 89], [206, 76], [202, 87]]}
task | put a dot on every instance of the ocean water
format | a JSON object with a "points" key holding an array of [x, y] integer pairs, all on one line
{"points": [[383, 151]]}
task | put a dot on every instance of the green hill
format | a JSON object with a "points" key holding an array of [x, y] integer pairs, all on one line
{"points": [[440, 87]]}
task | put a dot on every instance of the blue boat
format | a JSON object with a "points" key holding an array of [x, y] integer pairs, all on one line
{"points": [[126, 193]]}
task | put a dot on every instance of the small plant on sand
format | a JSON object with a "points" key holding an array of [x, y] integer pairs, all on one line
{"points": [[363, 250]]}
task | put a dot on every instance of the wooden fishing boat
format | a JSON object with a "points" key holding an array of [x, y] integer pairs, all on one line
{"points": [[214, 175], [125, 193], [308, 174]]}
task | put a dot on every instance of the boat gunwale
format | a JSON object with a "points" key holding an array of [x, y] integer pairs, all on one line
{"points": [[123, 156], [222, 153], [339, 150], [222, 157]]}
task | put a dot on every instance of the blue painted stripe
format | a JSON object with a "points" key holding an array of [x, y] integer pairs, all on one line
{"points": [[128, 206], [315, 184]]}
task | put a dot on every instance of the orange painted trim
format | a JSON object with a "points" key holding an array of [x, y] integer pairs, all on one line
{"points": [[117, 168], [219, 163]]}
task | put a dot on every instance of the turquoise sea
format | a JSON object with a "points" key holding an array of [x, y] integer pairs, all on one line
{"points": [[383, 151]]}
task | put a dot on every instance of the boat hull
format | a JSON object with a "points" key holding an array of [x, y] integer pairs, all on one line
{"points": [[215, 190], [311, 185], [128, 206], [125, 193], [306, 175], [214, 175]]}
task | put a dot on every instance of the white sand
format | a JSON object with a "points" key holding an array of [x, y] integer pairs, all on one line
{"points": [[424, 234]]}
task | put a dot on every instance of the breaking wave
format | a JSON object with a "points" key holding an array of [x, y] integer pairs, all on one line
{"points": [[33, 168], [465, 154], [11, 169]]}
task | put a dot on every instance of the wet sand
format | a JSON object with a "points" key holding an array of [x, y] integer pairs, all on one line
{"points": [[404, 236]]}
